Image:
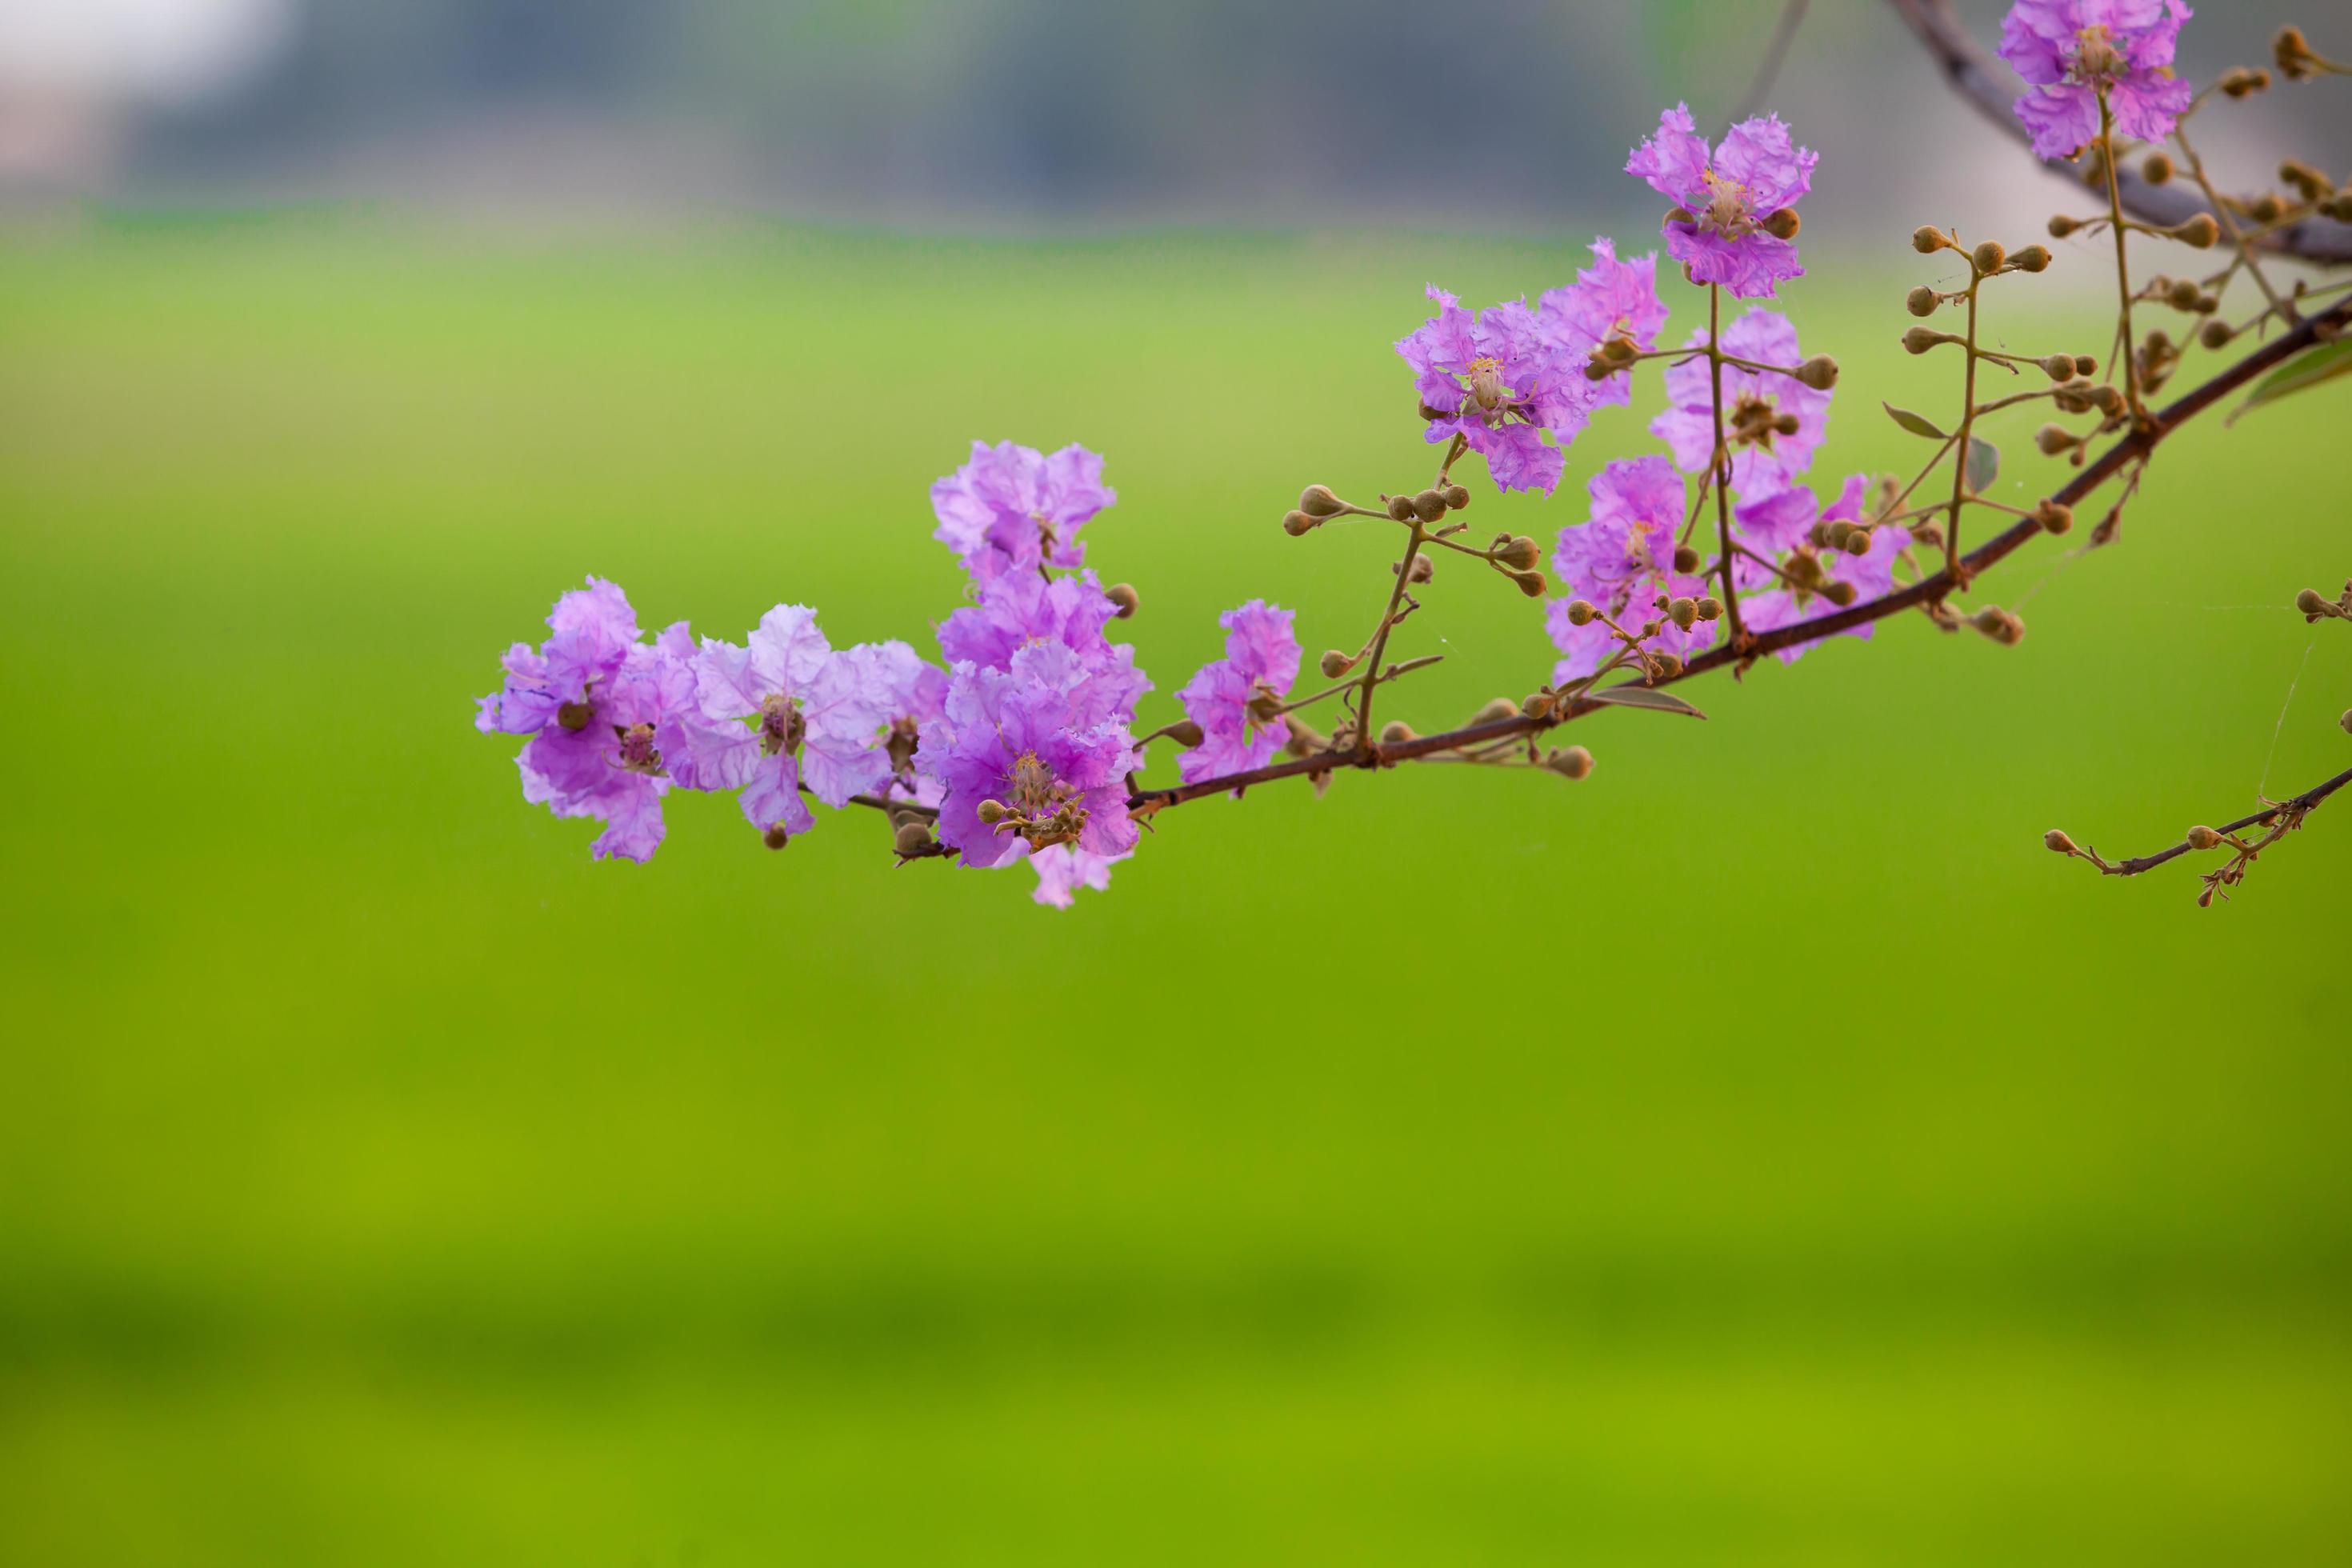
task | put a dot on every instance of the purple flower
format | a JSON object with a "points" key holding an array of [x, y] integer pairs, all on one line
{"points": [[1013, 738], [1610, 299], [1261, 661], [603, 712], [1064, 868], [1021, 608], [813, 719], [1727, 199], [1774, 423], [1012, 509], [1497, 378], [2069, 51], [1622, 560]]}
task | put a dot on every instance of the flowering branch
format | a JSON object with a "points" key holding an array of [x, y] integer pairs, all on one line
{"points": [[1973, 74], [1023, 746], [2280, 817]]}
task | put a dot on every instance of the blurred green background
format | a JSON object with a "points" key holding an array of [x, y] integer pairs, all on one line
{"points": [[1762, 1152]]}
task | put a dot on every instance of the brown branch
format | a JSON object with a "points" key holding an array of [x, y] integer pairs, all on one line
{"points": [[2131, 449], [2297, 807], [1981, 78]]}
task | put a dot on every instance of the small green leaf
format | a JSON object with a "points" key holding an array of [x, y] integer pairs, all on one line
{"points": [[1649, 697], [1984, 465], [2307, 371], [1918, 425]]}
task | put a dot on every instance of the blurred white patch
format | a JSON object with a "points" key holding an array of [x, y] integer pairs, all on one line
{"points": [[137, 51]]}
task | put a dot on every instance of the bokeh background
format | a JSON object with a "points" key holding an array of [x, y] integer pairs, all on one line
{"points": [[1762, 1152]]}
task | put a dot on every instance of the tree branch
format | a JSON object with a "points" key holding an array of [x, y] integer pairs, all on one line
{"points": [[2296, 807], [2132, 448], [1980, 77]]}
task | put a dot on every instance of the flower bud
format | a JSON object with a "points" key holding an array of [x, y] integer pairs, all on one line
{"points": [[1686, 558], [2032, 258], [1336, 664], [2059, 367], [2053, 440], [1928, 534], [2056, 839], [775, 837], [2062, 225], [912, 839], [2184, 294], [1424, 569], [2345, 723], [2292, 54], [1858, 542], [1999, 625], [1394, 731], [1820, 373], [1683, 612], [2204, 837], [2313, 606], [2085, 365], [1494, 712], [1620, 350], [1531, 584], [1839, 532], [1919, 340], [1710, 607], [2198, 233], [1538, 705], [1783, 224], [1839, 593], [575, 716], [1429, 506], [991, 812], [1297, 523], [1581, 612], [1922, 300], [1520, 553], [1928, 240], [1456, 497], [1787, 424], [2055, 517], [2155, 169], [1401, 508], [1186, 733], [1666, 666], [1317, 500], [1569, 762], [2215, 334], [1123, 594], [1989, 257], [1679, 215]]}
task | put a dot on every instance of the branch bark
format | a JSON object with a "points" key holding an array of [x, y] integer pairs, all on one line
{"points": [[2133, 446], [1980, 77]]}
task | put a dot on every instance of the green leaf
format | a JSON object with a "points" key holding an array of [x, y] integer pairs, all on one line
{"points": [[2307, 371], [1918, 425], [1649, 697], [1984, 465]]}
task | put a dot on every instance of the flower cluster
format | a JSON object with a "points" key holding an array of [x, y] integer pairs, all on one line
{"points": [[1018, 748]]}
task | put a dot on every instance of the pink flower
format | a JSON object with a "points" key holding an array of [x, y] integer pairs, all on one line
{"points": [[1498, 379], [1012, 509], [1728, 198], [1261, 661], [2070, 51]]}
